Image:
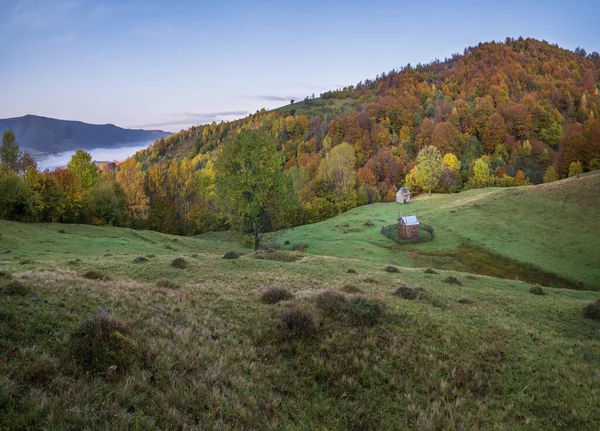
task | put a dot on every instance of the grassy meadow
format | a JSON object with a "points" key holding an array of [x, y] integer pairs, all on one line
{"points": [[111, 328]]}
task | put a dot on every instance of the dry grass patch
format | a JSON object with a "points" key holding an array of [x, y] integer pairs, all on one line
{"points": [[275, 294], [231, 255], [537, 290], [350, 288], [278, 255], [166, 283], [298, 321], [331, 303], [102, 343], [409, 293], [15, 288], [95, 275], [592, 310], [179, 262]]}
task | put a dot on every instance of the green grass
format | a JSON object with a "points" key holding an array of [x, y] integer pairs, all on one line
{"points": [[204, 352], [551, 228], [320, 106]]}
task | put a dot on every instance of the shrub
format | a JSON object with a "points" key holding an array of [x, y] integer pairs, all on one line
{"points": [[286, 242], [107, 254], [408, 293], [371, 280], [465, 301], [5, 274], [365, 311], [298, 321], [369, 223], [95, 275], [452, 280], [592, 310], [140, 259], [179, 262], [275, 294], [231, 255], [391, 269], [349, 288], [430, 271], [300, 247], [62, 231], [278, 256], [15, 288], [166, 283], [102, 341], [537, 290], [331, 302], [352, 271]]}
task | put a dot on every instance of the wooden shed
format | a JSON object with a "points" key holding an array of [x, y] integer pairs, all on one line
{"points": [[408, 227], [403, 195]]}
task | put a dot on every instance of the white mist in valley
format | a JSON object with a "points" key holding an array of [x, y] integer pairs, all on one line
{"points": [[58, 160]]}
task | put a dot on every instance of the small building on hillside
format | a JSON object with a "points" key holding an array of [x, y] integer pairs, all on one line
{"points": [[403, 195], [408, 227]]}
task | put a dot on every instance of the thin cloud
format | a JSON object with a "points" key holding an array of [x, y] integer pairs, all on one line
{"points": [[193, 118], [272, 97]]}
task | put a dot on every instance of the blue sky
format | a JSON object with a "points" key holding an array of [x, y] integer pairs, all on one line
{"points": [[172, 64]]}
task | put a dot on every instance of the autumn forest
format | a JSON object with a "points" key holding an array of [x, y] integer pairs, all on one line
{"points": [[500, 114]]}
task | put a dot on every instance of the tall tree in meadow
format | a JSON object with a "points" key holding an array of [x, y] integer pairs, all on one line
{"points": [[10, 153], [131, 179], [82, 165], [429, 169], [250, 182]]}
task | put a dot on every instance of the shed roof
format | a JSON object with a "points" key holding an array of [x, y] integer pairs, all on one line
{"points": [[409, 220], [404, 191]]}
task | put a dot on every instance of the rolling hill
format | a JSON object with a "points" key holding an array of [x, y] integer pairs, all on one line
{"points": [[181, 338], [42, 135]]}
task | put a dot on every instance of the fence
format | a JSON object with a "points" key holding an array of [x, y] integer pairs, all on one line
{"points": [[426, 233]]}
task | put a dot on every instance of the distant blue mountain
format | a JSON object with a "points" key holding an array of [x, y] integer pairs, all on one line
{"points": [[49, 135]]}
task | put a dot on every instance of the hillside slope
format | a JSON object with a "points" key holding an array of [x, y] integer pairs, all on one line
{"points": [[551, 226], [193, 346], [49, 135]]}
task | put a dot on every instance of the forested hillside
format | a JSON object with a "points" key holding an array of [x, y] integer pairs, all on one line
{"points": [[500, 114]]}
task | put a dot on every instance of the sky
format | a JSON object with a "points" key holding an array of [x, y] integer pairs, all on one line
{"points": [[173, 64]]}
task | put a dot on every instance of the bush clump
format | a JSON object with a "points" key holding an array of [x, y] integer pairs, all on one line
{"points": [[408, 293], [140, 259], [365, 311], [592, 310], [352, 271], [537, 290], [5, 274], [278, 256], [466, 301], [179, 262], [103, 341], [452, 280], [166, 283], [275, 294], [231, 255], [95, 275], [299, 321], [300, 247], [331, 303], [391, 269], [350, 288], [15, 288], [430, 271]]}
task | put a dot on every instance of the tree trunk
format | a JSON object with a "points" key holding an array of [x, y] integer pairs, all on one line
{"points": [[256, 237], [429, 192]]}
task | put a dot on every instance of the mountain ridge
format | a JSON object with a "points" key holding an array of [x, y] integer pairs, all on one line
{"points": [[47, 135]]}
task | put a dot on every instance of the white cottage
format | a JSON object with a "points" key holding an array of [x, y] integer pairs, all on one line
{"points": [[403, 195]]}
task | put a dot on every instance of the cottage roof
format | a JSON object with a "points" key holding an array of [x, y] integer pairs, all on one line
{"points": [[403, 191], [409, 220]]}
